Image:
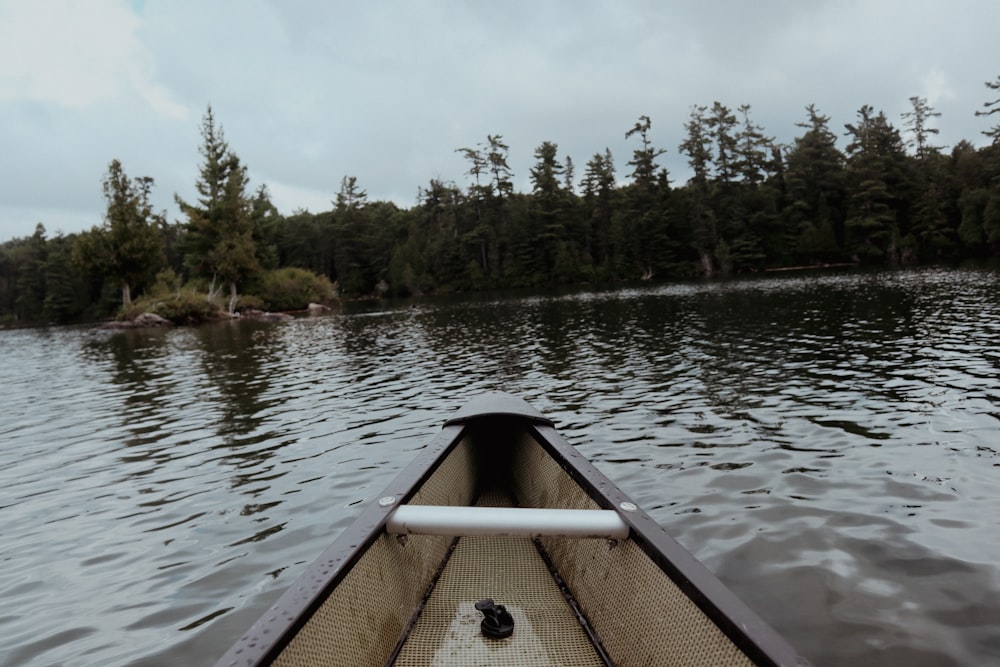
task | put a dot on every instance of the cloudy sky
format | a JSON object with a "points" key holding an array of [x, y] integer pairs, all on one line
{"points": [[308, 91]]}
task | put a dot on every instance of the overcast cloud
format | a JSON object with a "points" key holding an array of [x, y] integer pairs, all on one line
{"points": [[308, 91]]}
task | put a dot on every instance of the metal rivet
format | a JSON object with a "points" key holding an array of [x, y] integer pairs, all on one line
{"points": [[386, 501], [628, 507]]}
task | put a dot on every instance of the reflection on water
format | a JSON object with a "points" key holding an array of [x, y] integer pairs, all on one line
{"points": [[827, 444]]}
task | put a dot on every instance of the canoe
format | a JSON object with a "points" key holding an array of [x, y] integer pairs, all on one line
{"points": [[500, 544]]}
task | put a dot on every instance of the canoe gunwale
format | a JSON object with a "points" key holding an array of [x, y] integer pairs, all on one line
{"points": [[742, 625], [310, 590]]}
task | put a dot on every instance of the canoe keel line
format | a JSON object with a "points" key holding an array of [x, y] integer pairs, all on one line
{"points": [[501, 545]]}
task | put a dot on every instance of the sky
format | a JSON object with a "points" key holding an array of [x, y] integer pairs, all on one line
{"points": [[310, 91]]}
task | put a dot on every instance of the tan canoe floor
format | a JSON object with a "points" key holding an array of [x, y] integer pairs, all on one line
{"points": [[509, 570]]}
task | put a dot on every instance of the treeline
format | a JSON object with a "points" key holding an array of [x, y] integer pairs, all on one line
{"points": [[750, 205]]}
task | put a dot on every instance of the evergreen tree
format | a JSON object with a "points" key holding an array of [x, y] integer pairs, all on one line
{"points": [[991, 107], [66, 295], [644, 221], [128, 247], [720, 124], [643, 160], [971, 193], [503, 189], [569, 172], [815, 191], [350, 252], [875, 162], [931, 233], [598, 208], [29, 302], [480, 234], [265, 221], [700, 216], [991, 208], [8, 280], [496, 158], [440, 222], [542, 246], [752, 150], [916, 122], [219, 236], [752, 206]]}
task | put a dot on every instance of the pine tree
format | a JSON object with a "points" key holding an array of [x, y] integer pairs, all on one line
{"points": [[931, 234], [916, 122], [644, 223], [991, 107], [701, 217]]}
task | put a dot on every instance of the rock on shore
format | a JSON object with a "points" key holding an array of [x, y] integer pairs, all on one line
{"points": [[144, 320]]}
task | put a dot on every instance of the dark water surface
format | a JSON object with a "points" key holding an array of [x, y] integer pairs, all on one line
{"points": [[829, 445]]}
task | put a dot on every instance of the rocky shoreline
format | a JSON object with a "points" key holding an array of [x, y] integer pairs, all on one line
{"points": [[152, 320]]}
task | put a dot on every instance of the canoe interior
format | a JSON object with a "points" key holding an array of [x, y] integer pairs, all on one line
{"points": [[409, 602]]}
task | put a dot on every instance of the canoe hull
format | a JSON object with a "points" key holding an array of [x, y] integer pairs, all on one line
{"points": [[641, 600]]}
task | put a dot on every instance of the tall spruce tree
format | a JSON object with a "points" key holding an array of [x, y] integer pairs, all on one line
{"points": [[816, 190], [219, 233], [598, 208], [875, 167], [543, 245]]}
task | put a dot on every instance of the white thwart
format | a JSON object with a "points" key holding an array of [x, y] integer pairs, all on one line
{"points": [[506, 521]]}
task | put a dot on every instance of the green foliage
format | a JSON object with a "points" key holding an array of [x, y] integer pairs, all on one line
{"points": [[219, 241], [187, 306], [247, 302], [876, 173], [65, 295], [749, 205], [128, 248], [294, 289], [166, 283], [991, 107], [29, 277]]}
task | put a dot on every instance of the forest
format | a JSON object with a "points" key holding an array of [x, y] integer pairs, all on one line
{"points": [[890, 197]]}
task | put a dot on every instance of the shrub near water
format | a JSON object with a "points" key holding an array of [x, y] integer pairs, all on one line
{"points": [[183, 307], [294, 289], [172, 300], [282, 289]]}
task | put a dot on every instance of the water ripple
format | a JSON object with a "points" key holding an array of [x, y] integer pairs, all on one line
{"points": [[826, 444]]}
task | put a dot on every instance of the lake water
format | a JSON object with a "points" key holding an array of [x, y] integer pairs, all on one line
{"points": [[827, 444]]}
